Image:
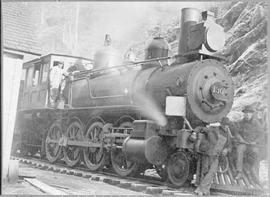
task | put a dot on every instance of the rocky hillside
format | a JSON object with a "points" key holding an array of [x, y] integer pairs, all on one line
{"points": [[246, 27]]}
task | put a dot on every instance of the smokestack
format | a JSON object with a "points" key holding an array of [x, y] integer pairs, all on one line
{"points": [[190, 16]]}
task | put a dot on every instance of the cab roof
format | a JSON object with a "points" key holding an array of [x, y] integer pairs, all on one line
{"points": [[54, 54]]}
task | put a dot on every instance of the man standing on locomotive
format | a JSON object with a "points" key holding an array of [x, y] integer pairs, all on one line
{"points": [[212, 142], [56, 79], [248, 138]]}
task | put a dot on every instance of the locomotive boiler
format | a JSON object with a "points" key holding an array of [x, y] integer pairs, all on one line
{"points": [[133, 117]]}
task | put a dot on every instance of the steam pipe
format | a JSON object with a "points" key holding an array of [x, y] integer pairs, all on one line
{"points": [[133, 64]]}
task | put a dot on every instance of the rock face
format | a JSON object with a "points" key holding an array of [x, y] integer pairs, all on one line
{"points": [[246, 27], [229, 18]]}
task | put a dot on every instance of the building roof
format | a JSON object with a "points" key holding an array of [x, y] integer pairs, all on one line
{"points": [[19, 32]]}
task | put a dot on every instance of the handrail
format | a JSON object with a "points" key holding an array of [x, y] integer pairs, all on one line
{"points": [[133, 64]]}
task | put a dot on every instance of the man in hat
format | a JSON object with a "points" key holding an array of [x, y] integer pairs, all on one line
{"points": [[212, 142], [56, 78], [249, 135]]}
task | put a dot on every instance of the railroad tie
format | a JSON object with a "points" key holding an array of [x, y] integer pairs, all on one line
{"points": [[112, 181], [183, 194], [153, 190], [70, 172], [124, 184], [87, 176], [167, 192], [95, 178], [56, 170], [77, 173], [138, 187], [63, 171]]}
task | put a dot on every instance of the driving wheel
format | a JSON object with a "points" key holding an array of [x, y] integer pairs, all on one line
{"points": [[94, 157], [179, 169], [52, 147], [121, 165], [72, 154]]}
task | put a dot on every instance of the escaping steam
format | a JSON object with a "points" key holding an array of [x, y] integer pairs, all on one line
{"points": [[148, 106]]}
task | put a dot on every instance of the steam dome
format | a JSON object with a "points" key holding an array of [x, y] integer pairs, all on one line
{"points": [[107, 57]]}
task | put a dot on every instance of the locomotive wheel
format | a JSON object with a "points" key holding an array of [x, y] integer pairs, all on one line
{"points": [[52, 147], [120, 164], [94, 157], [179, 169], [72, 154]]}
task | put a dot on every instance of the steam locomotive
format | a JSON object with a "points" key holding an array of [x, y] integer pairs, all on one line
{"points": [[134, 116]]}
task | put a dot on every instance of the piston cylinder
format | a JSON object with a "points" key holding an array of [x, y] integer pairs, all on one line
{"points": [[152, 150]]}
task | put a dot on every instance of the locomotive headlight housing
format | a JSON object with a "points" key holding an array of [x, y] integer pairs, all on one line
{"points": [[214, 36], [175, 106]]}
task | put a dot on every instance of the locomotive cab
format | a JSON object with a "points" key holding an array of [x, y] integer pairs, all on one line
{"points": [[36, 86]]}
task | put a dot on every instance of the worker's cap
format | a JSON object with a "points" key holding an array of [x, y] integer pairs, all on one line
{"points": [[248, 109]]}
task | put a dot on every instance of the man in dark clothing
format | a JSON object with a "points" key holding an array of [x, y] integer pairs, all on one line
{"points": [[247, 137], [212, 142]]}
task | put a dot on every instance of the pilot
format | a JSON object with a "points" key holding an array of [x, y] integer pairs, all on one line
{"points": [[56, 78], [248, 137]]}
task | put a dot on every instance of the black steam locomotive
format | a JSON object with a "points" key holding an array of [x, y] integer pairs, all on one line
{"points": [[135, 116]]}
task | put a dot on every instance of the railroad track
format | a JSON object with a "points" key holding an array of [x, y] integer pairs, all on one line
{"points": [[142, 183], [148, 182]]}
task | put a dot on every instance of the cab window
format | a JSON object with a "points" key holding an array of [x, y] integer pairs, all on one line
{"points": [[36, 74], [29, 75], [45, 72]]}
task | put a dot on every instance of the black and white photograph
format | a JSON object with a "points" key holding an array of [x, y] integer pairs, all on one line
{"points": [[135, 98]]}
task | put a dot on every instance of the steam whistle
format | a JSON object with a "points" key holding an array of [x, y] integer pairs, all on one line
{"points": [[108, 40]]}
